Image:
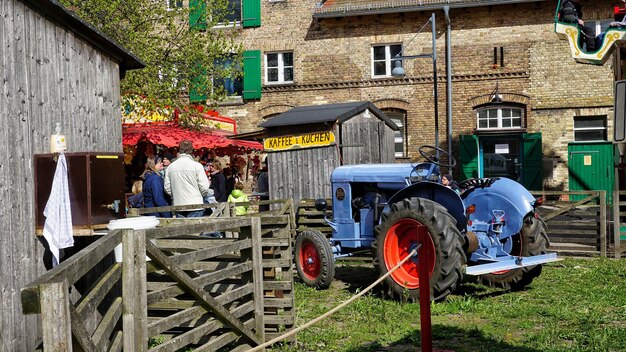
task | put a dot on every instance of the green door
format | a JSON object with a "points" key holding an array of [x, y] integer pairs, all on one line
{"points": [[590, 167]]}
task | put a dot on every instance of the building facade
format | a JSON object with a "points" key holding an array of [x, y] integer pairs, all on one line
{"points": [[518, 104]]}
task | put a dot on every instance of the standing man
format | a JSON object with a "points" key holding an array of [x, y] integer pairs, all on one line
{"points": [[186, 181], [571, 12]]}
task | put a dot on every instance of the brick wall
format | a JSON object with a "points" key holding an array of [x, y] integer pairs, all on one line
{"points": [[332, 59]]}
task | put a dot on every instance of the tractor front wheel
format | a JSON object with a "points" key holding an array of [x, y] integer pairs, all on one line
{"points": [[531, 240], [314, 259], [410, 222]]}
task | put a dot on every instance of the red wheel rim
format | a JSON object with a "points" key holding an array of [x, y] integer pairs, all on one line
{"points": [[516, 251], [310, 260], [401, 239]]}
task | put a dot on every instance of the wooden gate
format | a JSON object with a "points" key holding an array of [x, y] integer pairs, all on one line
{"points": [[189, 292]]}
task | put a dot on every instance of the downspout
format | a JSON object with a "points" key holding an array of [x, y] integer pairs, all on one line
{"points": [[446, 11]]}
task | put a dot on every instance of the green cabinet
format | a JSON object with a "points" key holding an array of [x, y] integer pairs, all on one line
{"points": [[590, 167]]}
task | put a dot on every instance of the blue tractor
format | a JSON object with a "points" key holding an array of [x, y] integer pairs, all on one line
{"points": [[490, 228]]}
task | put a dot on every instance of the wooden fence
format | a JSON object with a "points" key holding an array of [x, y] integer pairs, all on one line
{"points": [[619, 230], [577, 227], [190, 291]]}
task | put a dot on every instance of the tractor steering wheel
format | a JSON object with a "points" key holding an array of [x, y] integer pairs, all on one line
{"points": [[429, 153]]}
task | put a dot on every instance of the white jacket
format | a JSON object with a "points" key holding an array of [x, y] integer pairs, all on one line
{"points": [[186, 181]]}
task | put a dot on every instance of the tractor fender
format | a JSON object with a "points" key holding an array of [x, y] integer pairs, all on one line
{"points": [[436, 192], [503, 194]]}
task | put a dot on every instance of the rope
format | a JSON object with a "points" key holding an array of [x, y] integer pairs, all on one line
{"points": [[330, 312]]}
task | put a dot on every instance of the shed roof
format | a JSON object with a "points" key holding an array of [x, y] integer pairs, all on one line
{"points": [[57, 13], [312, 114]]}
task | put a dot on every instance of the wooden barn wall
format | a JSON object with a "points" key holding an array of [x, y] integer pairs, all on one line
{"points": [[367, 140], [302, 173], [47, 75]]}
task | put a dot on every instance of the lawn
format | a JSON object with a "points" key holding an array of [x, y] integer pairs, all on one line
{"points": [[575, 305]]}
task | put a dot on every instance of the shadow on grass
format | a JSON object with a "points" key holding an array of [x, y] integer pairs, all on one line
{"points": [[357, 278], [448, 338]]}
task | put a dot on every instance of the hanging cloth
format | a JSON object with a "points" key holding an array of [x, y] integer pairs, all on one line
{"points": [[57, 230]]}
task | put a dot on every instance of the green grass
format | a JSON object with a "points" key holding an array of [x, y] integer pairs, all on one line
{"points": [[575, 305]]}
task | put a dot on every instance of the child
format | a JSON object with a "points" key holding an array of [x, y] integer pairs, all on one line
{"points": [[237, 195], [136, 200]]}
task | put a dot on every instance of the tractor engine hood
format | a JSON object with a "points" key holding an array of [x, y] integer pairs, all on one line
{"points": [[389, 176]]}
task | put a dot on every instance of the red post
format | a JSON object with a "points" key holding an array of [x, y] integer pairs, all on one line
{"points": [[424, 287]]}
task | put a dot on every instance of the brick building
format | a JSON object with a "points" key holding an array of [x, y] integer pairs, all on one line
{"points": [[519, 100]]}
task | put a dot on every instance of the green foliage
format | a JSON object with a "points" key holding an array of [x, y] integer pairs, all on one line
{"points": [[575, 305], [174, 54]]}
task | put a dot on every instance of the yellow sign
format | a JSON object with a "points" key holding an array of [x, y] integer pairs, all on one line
{"points": [[587, 160], [309, 140]]}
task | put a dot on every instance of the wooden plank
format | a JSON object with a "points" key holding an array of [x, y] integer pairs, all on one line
{"points": [[279, 319], [568, 207], [116, 345], [87, 304], [212, 252], [135, 310], [175, 319], [256, 277], [55, 317], [218, 342], [187, 338], [278, 285], [101, 336], [79, 330], [196, 290], [201, 280], [279, 302]]}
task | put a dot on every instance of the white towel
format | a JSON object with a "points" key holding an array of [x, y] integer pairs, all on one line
{"points": [[57, 229]]}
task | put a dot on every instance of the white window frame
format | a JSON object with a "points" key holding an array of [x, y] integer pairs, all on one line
{"points": [[585, 129], [281, 67], [499, 118], [388, 59]]}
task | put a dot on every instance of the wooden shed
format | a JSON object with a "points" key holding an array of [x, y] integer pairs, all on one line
{"points": [[305, 144], [53, 68]]}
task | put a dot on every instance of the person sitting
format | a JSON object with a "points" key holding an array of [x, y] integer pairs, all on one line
{"points": [[447, 181], [237, 195], [571, 12]]}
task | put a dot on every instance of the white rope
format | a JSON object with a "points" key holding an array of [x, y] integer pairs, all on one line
{"points": [[330, 312]]}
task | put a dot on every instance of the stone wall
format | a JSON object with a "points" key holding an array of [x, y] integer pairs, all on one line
{"points": [[332, 59]]}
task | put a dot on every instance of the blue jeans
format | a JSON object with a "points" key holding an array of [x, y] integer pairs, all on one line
{"points": [[190, 214]]}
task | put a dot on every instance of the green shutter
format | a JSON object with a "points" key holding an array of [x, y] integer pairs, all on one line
{"points": [[533, 161], [469, 156], [252, 74], [197, 14], [198, 85], [251, 13]]}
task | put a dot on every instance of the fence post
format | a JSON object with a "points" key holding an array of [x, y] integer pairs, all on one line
{"points": [[256, 276], [55, 316], [616, 217], [134, 286], [603, 224]]}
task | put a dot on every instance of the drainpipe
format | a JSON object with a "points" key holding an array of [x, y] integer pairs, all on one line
{"points": [[446, 11]]}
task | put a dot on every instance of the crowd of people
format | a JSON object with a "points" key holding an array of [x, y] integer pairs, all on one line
{"points": [[182, 180]]}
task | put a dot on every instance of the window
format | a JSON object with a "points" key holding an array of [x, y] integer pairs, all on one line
{"points": [[383, 59], [590, 128], [399, 118], [499, 118], [233, 11], [279, 68], [174, 4], [232, 84]]}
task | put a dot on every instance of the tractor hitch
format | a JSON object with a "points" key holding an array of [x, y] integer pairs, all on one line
{"points": [[511, 263]]}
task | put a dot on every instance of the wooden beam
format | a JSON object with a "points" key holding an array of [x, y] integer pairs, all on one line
{"points": [[135, 310], [55, 317]]}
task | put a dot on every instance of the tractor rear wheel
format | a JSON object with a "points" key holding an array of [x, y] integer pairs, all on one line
{"points": [[531, 240], [412, 221], [314, 259]]}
